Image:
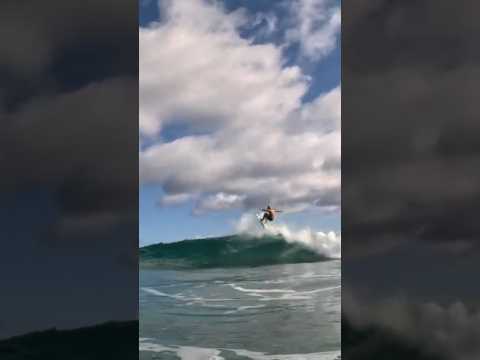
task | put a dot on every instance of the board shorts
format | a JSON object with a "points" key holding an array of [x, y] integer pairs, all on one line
{"points": [[268, 216]]}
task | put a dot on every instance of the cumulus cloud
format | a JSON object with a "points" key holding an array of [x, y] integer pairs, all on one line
{"points": [[246, 136], [266, 23], [409, 111], [69, 163], [317, 26], [174, 199], [219, 201], [217, 76], [451, 331]]}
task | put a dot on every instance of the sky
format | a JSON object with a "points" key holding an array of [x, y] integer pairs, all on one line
{"points": [[410, 174], [239, 107], [69, 202]]}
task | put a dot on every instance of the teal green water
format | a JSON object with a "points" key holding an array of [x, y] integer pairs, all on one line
{"points": [[229, 251], [282, 311]]}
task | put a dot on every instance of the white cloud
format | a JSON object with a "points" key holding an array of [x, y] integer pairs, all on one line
{"points": [[219, 201], [259, 142], [175, 199], [194, 67], [450, 330], [317, 27], [269, 22]]}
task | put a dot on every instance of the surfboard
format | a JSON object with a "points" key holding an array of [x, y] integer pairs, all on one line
{"points": [[259, 217]]}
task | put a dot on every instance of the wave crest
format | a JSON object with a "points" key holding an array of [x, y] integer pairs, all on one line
{"points": [[328, 244], [252, 246]]}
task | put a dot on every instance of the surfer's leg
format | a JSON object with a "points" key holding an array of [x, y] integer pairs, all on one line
{"points": [[262, 220]]}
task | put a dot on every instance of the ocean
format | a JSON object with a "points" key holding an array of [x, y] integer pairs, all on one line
{"points": [[199, 310]]}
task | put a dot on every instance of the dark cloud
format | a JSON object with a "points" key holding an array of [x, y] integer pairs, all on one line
{"points": [[69, 162], [396, 325], [409, 121], [50, 47], [410, 186]]}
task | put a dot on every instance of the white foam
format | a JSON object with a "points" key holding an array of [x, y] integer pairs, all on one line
{"points": [[206, 305], [179, 296], [259, 291], [273, 281], [299, 295], [286, 294], [286, 297], [184, 352], [197, 353], [325, 243], [243, 308], [320, 290], [312, 275], [327, 355], [309, 275], [159, 293]]}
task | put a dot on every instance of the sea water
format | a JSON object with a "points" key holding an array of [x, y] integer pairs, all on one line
{"points": [[284, 312]]}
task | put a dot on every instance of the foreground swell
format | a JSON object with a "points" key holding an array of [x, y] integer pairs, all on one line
{"points": [[280, 312], [229, 251]]}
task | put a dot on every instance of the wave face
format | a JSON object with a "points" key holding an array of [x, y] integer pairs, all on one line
{"points": [[229, 251]]}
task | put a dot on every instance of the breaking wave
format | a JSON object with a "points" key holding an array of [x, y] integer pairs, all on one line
{"points": [[275, 245], [328, 244]]}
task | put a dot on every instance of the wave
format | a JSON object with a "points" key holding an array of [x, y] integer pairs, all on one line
{"points": [[325, 243], [197, 353], [242, 250]]}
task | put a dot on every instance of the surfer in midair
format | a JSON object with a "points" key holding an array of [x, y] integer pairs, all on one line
{"points": [[268, 214]]}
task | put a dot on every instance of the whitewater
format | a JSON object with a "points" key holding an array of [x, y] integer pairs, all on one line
{"points": [[325, 243], [279, 301]]}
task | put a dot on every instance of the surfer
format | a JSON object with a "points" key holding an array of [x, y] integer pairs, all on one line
{"points": [[268, 215]]}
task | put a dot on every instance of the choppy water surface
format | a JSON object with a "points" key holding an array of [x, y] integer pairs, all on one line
{"points": [[269, 312]]}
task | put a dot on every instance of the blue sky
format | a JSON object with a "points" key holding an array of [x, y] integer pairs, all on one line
{"points": [[181, 125]]}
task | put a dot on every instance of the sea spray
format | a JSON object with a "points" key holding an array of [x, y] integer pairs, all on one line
{"points": [[328, 244]]}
